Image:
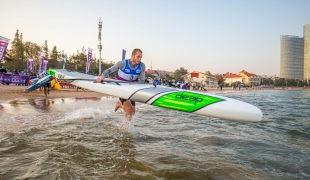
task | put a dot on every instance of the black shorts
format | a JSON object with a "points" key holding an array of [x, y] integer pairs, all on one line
{"points": [[123, 100]]}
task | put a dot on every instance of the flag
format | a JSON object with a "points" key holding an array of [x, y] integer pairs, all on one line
{"points": [[4, 42], [42, 62], [123, 54], [64, 62], [90, 52], [45, 62], [30, 64]]}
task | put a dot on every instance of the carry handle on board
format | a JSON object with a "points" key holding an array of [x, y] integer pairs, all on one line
{"points": [[106, 81], [119, 81]]}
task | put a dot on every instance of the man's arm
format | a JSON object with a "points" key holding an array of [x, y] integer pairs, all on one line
{"points": [[115, 67], [142, 74]]}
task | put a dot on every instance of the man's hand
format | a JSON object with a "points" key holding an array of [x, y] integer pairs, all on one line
{"points": [[99, 79]]}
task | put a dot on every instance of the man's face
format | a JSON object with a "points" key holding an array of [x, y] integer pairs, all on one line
{"points": [[136, 58]]}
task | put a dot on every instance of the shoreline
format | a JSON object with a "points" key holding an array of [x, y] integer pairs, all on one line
{"points": [[10, 92]]}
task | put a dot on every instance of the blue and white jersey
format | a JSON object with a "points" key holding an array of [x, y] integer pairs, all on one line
{"points": [[128, 74]]}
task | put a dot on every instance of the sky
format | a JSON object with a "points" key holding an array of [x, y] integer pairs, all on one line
{"points": [[199, 35]]}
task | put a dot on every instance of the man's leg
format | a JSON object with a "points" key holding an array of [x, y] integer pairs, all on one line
{"points": [[45, 89], [128, 106], [49, 88], [118, 105], [133, 103]]}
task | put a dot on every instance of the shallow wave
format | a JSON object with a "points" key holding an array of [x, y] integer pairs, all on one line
{"points": [[86, 139]]}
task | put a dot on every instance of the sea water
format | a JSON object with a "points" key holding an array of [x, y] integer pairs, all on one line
{"points": [[83, 138]]}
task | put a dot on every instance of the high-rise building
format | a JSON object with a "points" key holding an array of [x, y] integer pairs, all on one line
{"points": [[307, 51], [291, 57]]}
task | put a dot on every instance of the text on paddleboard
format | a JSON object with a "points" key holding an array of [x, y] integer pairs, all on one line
{"points": [[61, 76], [189, 98]]}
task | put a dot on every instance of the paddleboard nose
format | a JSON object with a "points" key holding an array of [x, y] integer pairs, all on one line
{"points": [[235, 110]]}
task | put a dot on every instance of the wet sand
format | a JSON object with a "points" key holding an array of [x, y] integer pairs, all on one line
{"points": [[9, 92]]}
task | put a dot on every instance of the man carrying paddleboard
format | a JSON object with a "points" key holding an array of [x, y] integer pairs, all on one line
{"points": [[131, 70], [47, 87]]}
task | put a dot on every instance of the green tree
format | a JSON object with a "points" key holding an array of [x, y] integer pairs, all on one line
{"points": [[106, 65], [208, 73], [167, 76], [267, 81], [32, 50], [45, 50], [77, 62], [52, 61], [179, 73], [16, 53], [70, 65], [280, 82], [220, 79]]}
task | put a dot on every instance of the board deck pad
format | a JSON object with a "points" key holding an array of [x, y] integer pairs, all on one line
{"points": [[185, 101]]}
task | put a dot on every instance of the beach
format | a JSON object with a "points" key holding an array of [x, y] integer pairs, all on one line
{"points": [[10, 92]]}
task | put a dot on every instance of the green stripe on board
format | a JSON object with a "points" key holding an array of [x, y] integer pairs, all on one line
{"points": [[185, 101]]}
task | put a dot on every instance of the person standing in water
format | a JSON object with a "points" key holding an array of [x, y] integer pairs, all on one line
{"points": [[47, 87], [131, 70]]}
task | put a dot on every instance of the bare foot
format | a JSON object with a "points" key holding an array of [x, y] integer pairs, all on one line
{"points": [[118, 105]]}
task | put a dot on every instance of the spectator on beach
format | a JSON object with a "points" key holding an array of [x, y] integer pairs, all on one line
{"points": [[203, 85], [194, 85], [169, 83], [3, 70], [188, 85], [173, 83], [156, 81], [198, 86], [183, 86]]}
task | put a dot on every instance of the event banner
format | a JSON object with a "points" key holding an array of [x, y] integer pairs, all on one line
{"points": [[30, 64], [14, 78], [45, 62], [4, 42], [64, 62], [42, 61], [123, 54], [90, 52]]}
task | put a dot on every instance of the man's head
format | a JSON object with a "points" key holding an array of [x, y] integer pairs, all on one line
{"points": [[136, 56]]}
